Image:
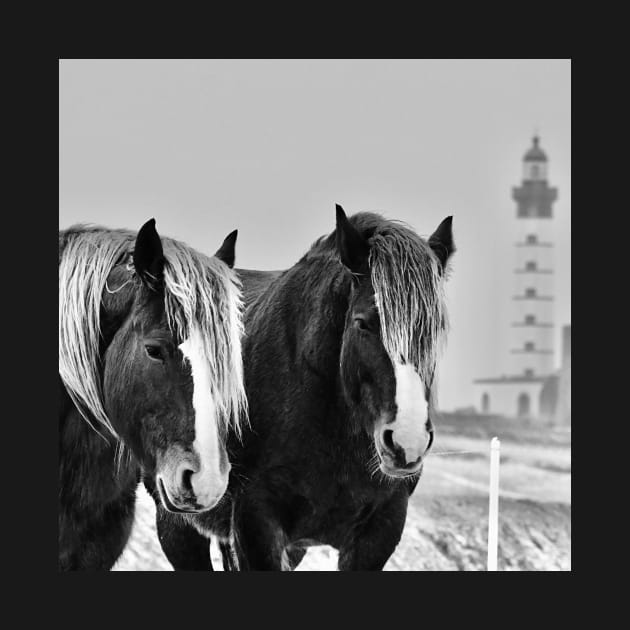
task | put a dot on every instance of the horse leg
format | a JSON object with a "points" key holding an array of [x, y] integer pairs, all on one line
{"points": [[185, 548], [230, 562], [259, 539], [294, 555], [371, 544], [95, 543]]}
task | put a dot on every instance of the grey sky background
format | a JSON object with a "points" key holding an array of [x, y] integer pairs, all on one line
{"points": [[269, 147]]}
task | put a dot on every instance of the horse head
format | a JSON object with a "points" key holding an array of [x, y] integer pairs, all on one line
{"points": [[161, 391], [394, 323]]}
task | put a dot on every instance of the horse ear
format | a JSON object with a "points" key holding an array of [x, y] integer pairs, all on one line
{"points": [[226, 251], [353, 248], [148, 255], [441, 241]]}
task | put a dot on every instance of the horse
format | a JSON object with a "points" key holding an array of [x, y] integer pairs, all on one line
{"points": [[150, 381], [340, 355]]}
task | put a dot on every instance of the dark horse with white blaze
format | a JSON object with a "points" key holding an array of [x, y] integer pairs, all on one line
{"points": [[150, 376], [340, 354]]}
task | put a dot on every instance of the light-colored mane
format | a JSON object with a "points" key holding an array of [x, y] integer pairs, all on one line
{"points": [[203, 292], [409, 294]]}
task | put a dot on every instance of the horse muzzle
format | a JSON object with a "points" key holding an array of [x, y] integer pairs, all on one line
{"points": [[184, 486], [399, 460]]}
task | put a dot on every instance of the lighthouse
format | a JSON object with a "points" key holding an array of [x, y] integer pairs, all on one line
{"points": [[522, 391], [532, 326]]}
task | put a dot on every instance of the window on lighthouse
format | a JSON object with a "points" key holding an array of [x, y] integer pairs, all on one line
{"points": [[532, 239], [530, 265], [523, 405], [530, 319], [529, 346], [535, 171], [530, 292]]}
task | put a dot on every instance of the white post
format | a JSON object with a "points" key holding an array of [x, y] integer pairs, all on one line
{"points": [[493, 511]]}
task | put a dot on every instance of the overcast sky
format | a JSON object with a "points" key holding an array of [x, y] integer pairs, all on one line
{"points": [[269, 147]]}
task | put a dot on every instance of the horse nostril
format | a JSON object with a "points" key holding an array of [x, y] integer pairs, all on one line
{"points": [[388, 440], [187, 480]]}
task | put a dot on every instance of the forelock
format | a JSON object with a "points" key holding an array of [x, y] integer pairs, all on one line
{"points": [[409, 295]]}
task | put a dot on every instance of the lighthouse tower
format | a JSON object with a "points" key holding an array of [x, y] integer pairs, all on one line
{"points": [[532, 327], [529, 361]]}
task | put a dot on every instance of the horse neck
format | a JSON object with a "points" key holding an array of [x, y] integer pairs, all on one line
{"points": [[88, 465], [300, 321], [314, 300]]}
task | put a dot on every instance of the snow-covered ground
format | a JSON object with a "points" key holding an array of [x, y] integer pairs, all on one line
{"points": [[446, 525]]}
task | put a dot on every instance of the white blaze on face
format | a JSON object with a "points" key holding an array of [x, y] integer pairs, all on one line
{"points": [[210, 482], [409, 426]]}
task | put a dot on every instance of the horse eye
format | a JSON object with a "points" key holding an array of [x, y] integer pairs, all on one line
{"points": [[360, 323], [154, 352]]}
